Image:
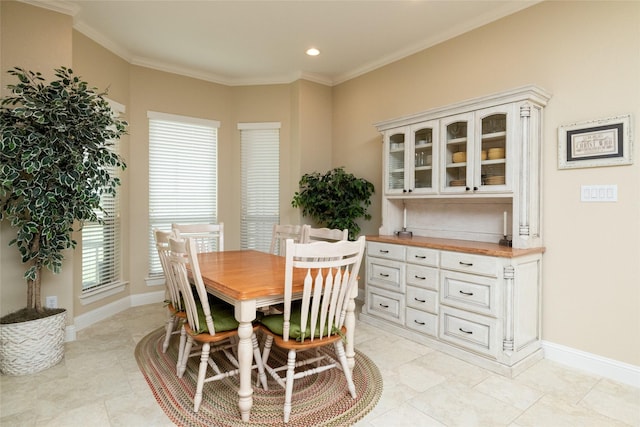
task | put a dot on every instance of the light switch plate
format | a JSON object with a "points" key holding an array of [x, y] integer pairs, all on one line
{"points": [[599, 193]]}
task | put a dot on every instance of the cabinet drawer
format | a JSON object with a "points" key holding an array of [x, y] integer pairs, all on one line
{"points": [[420, 321], [467, 330], [385, 304], [423, 256], [386, 250], [423, 277], [422, 299], [386, 274], [468, 263], [470, 292]]}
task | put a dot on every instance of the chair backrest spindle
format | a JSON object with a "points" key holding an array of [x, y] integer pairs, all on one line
{"points": [[331, 273]]}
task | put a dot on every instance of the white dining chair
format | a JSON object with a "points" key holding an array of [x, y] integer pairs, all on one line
{"points": [[208, 237], [215, 331], [173, 300], [330, 272], [282, 232]]}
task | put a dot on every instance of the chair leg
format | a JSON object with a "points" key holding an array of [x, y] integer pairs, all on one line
{"points": [[202, 371], [268, 342], [185, 355], [262, 377], [291, 364], [169, 330], [342, 356], [183, 341]]}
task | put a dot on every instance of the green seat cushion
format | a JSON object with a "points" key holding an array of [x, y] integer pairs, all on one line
{"points": [[223, 317], [275, 323]]}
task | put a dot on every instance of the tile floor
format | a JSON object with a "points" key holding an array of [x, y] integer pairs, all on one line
{"points": [[99, 384]]}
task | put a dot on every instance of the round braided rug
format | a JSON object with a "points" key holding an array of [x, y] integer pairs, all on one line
{"points": [[318, 400]]}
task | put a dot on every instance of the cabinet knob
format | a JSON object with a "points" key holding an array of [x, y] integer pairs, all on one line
{"points": [[475, 188], [467, 188], [410, 190], [404, 191]]}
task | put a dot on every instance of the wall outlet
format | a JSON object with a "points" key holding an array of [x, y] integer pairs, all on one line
{"points": [[51, 302]]}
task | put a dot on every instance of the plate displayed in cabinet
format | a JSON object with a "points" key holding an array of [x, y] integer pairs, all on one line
{"points": [[459, 157], [495, 153]]}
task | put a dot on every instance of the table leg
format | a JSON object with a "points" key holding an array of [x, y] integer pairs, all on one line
{"points": [[245, 312], [350, 323]]}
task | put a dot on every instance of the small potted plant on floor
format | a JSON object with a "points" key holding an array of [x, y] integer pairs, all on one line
{"points": [[55, 162], [335, 200]]}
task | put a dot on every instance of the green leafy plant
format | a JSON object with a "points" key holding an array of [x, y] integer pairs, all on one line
{"points": [[54, 166], [335, 200]]}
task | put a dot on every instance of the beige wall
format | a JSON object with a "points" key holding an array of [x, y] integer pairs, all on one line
{"points": [[587, 54], [108, 73], [43, 50]]}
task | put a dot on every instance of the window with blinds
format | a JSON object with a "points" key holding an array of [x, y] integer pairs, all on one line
{"points": [[260, 165], [101, 254], [183, 182]]}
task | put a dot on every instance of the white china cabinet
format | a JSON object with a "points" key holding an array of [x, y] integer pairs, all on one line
{"points": [[487, 149], [461, 179]]}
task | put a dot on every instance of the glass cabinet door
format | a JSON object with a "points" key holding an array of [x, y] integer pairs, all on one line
{"points": [[424, 156], [493, 173], [395, 146], [457, 156]]}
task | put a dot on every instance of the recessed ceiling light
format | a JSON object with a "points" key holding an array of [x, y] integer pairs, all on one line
{"points": [[313, 51]]}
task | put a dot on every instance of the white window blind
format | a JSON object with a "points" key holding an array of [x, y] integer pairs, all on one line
{"points": [[183, 187], [260, 157], [101, 253]]}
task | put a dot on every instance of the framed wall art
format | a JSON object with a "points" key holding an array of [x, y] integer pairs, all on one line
{"points": [[604, 142]]}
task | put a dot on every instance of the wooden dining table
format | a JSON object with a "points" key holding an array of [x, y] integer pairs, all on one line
{"points": [[249, 280]]}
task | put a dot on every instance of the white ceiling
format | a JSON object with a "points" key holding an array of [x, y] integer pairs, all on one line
{"points": [[263, 42]]}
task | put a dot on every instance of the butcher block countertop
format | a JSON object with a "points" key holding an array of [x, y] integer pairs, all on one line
{"points": [[467, 246]]}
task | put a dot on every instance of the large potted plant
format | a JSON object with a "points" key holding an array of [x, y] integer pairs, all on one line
{"points": [[335, 199], [55, 163]]}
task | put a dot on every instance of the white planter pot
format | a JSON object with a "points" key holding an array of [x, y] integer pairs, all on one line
{"points": [[30, 347]]}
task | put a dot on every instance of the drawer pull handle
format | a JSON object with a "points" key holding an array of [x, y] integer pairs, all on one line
{"points": [[383, 252], [466, 293], [468, 264], [384, 275], [420, 323], [466, 332], [420, 277], [420, 256], [419, 300], [384, 306]]}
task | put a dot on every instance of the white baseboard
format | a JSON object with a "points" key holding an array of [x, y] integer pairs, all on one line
{"points": [[147, 298], [85, 320], [592, 363]]}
